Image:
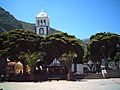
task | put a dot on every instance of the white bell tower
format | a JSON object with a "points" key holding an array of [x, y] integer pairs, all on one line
{"points": [[42, 24]]}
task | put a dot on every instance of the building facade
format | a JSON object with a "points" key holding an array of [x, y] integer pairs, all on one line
{"points": [[42, 26]]}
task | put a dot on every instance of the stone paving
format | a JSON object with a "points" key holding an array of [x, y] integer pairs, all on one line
{"points": [[84, 84]]}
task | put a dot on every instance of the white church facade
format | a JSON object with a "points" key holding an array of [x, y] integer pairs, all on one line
{"points": [[42, 26]]}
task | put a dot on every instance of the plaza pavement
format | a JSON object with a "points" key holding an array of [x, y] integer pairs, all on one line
{"points": [[84, 84]]}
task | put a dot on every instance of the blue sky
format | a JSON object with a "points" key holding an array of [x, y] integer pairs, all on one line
{"points": [[81, 18]]}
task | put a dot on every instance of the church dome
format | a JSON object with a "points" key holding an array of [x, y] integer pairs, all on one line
{"points": [[42, 14]]}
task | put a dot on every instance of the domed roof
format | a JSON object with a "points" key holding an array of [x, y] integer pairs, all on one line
{"points": [[42, 14]]}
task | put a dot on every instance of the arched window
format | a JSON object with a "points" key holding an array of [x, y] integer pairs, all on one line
{"points": [[41, 31]]}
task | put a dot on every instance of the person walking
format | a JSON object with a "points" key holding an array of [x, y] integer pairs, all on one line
{"points": [[104, 73]]}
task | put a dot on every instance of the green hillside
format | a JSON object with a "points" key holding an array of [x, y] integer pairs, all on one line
{"points": [[8, 21], [27, 26], [54, 30]]}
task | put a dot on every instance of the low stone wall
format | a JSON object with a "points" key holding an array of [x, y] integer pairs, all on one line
{"points": [[18, 78], [110, 74], [113, 73], [21, 78], [88, 76]]}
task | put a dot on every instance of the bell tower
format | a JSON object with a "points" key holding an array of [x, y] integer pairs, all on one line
{"points": [[42, 24]]}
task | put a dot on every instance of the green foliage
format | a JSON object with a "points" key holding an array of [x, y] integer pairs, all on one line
{"points": [[102, 45], [31, 58], [16, 41], [21, 43], [102, 36], [117, 57], [57, 44], [67, 58]]}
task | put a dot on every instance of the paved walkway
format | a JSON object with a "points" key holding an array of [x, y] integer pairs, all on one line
{"points": [[84, 84]]}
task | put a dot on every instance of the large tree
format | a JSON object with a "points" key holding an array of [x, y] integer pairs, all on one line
{"points": [[102, 46], [3, 59], [16, 41]]}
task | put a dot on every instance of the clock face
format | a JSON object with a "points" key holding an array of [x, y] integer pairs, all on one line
{"points": [[41, 31]]}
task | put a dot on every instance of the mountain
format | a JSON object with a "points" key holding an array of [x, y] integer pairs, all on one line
{"points": [[27, 26], [86, 41], [9, 22], [54, 30]]}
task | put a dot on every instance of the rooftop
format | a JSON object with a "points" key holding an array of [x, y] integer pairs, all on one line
{"points": [[42, 14]]}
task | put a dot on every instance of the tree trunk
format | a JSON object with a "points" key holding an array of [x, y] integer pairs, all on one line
{"points": [[69, 75], [32, 75], [106, 63], [118, 65]]}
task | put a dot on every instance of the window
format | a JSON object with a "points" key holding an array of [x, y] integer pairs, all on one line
{"points": [[38, 22], [44, 22], [41, 22], [41, 31]]}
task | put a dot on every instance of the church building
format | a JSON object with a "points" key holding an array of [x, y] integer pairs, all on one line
{"points": [[42, 26]]}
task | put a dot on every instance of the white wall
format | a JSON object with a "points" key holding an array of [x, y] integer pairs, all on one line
{"points": [[42, 18], [79, 68]]}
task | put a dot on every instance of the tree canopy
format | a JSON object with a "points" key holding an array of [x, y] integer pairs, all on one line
{"points": [[57, 44], [102, 45], [16, 41]]}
